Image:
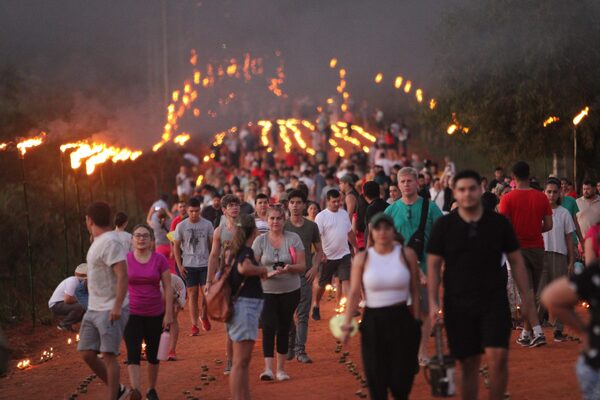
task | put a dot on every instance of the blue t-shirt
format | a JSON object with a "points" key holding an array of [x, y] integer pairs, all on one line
{"points": [[407, 218]]}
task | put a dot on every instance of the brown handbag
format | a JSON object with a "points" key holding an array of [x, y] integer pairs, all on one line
{"points": [[219, 302]]}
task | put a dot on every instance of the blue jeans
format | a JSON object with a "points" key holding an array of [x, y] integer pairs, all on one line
{"points": [[589, 379]]}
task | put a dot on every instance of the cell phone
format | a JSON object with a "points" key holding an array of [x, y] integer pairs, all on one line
{"points": [[278, 265]]}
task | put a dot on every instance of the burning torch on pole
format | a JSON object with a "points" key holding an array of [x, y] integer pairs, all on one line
{"points": [[64, 194], [578, 118], [22, 148]]}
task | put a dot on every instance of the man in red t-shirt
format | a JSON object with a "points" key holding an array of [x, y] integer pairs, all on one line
{"points": [[530, 214]]}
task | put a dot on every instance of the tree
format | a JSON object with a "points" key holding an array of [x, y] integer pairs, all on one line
{"points": [[504, 67]]}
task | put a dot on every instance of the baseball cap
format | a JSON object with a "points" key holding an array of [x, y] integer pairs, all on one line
{"points": [[381, 217], [81, 269]]}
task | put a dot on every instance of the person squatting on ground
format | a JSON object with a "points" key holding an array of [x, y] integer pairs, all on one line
{"points": [[64, 301]]}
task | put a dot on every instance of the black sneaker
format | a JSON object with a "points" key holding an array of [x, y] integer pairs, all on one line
{"points": [[65, 328], [524, 341], [152, 395], [316, 314], [538, 340], [560, 337]]}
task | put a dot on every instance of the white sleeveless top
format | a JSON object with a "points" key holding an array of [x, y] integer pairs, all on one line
{"points": [[386, 278]]}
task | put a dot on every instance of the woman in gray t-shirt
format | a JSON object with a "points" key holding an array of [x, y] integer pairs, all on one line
{"points": [[283, 255]]}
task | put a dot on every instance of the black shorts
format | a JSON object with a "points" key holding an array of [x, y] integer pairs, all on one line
{"points": [[340, 268], [195, 277], [472, 329]]}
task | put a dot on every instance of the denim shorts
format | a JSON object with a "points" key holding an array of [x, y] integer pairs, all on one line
{"points": [[244, 322], [98, 333], [589, 379]]}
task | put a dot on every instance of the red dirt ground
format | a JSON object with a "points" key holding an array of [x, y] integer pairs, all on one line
{"points": [[541, 373]]}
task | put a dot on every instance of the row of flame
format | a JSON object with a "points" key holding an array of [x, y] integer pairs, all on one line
{"points": [[183, 99]]}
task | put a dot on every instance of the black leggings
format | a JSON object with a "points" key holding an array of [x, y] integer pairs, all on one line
{"points": [[390, 339], [143, 328], [277, 314]]}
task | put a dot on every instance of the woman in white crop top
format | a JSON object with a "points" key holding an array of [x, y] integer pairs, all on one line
{"points": [[390, 335]]}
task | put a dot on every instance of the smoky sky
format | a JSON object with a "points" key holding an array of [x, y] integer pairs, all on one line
{"points": [[115, 47]]}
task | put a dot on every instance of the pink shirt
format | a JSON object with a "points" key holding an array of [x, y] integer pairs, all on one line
{"points": [[594, 234], [145, 298]]}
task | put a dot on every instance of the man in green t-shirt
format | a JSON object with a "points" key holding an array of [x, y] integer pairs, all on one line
{"points": [[571, 205], [406, 213]]}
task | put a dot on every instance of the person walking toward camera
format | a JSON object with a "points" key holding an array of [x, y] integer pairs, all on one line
{"points": [[470, 243], [283, 254], [150, 313], [390, 335]]}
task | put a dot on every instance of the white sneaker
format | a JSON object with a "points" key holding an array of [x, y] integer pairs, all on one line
{"points": [[267, 375], [282, 376]]}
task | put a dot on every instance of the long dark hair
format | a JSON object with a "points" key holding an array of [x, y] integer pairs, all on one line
{"points": [[245, 227]]}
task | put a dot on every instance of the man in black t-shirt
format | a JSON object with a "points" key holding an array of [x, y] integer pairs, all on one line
{"points": [[213, 212], [372, 194], [471, 243]]}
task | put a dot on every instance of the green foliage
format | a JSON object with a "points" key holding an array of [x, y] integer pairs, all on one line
{"points": [[505, 66], [29, 105]]}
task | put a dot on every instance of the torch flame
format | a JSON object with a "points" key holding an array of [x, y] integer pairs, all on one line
{"points": [[419, 95], [550, 120], [432, 104], [451, 129], [378, 78], [193, 57], [407, 86], [582, 114], [23, 145], [333, 63], [181, 139], [398, 82]]}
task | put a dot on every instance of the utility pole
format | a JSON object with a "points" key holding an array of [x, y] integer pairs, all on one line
{"points": [[165, 54]]}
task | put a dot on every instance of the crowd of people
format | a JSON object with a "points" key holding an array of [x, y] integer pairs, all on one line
{"points": [[385, 229]]}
